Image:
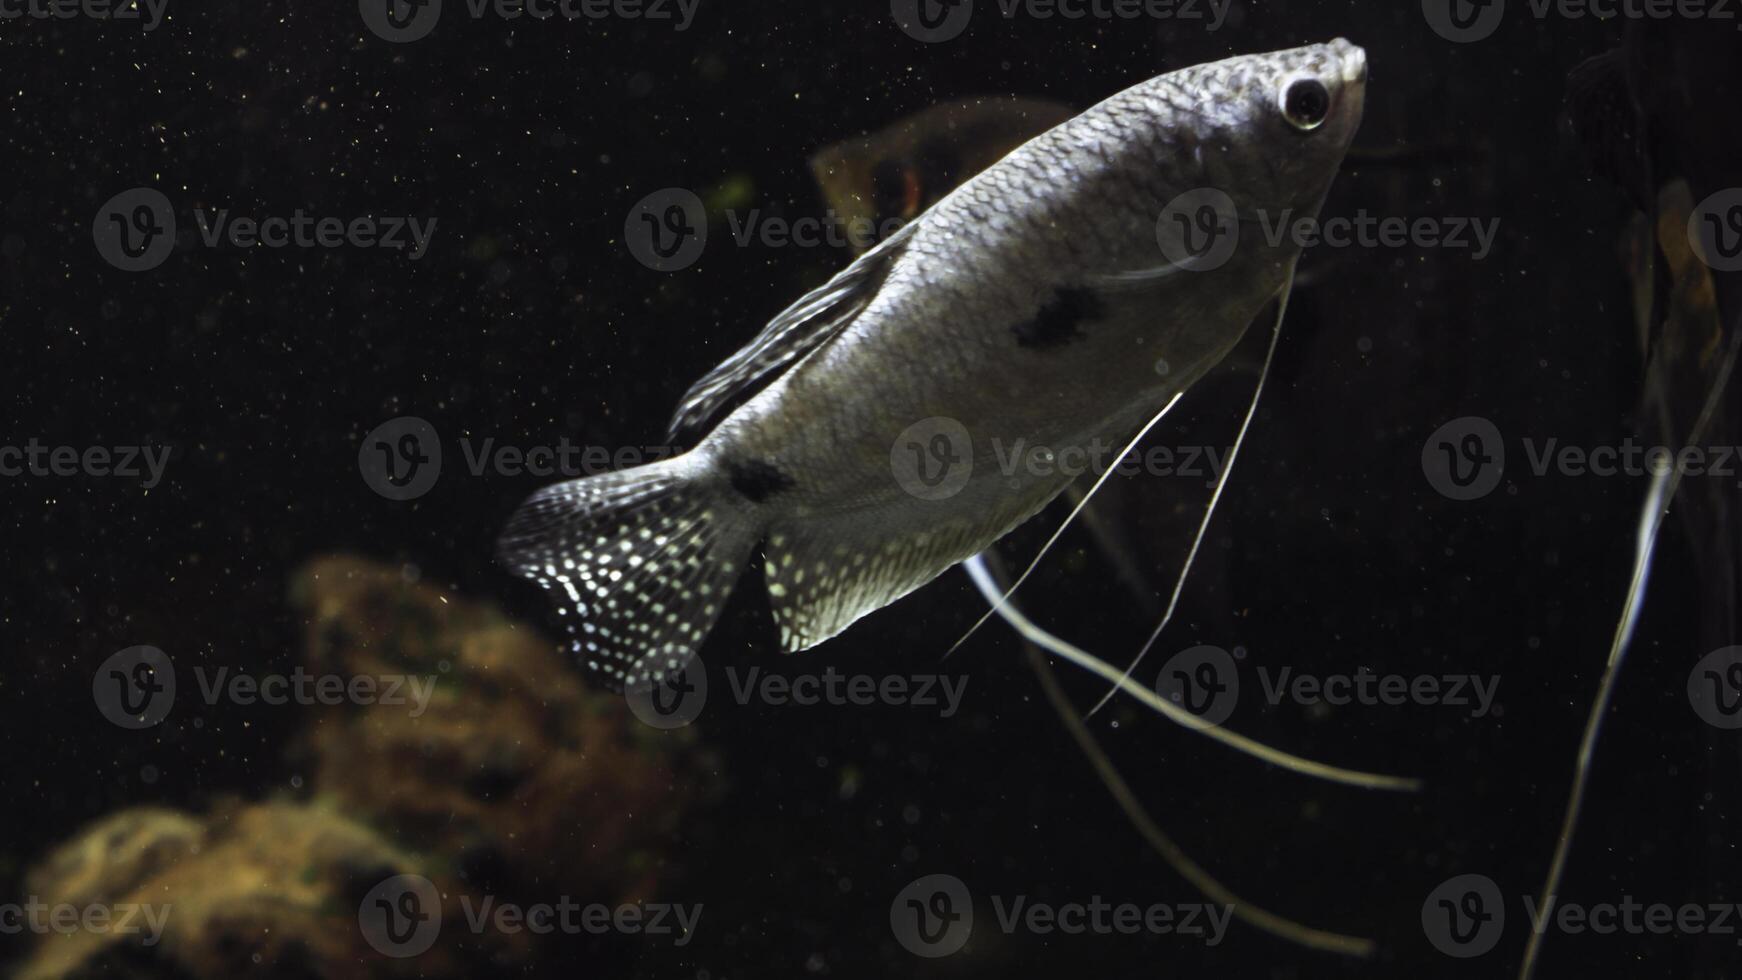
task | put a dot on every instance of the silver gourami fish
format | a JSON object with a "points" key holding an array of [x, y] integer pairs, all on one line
{"points": [[1057, 299]]}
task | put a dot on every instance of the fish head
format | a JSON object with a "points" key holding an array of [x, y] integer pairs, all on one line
{"points": [[1269, 130]]}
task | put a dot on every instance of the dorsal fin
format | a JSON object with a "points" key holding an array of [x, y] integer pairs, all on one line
{"points": [[801, 328]]}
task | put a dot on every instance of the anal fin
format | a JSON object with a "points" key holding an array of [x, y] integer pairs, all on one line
{"points": [[824, 573]]}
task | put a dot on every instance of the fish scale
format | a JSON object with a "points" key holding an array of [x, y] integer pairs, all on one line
{"points": [[1030, 306]]}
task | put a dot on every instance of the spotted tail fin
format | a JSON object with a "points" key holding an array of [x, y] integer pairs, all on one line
{"points": [[641, 560]]}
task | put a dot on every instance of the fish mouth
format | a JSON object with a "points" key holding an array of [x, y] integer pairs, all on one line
{"points": [[1349, 67], [1351, 59], [1355, 67]]}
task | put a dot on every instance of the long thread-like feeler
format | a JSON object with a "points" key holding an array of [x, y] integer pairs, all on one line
{"points": [[1657, 503], [1169, 850], [982, 578]]}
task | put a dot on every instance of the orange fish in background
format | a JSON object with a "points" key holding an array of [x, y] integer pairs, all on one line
{"points": [[891, 175]]}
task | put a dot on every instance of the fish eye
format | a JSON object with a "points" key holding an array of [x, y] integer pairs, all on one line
{"points": [[1305, 103]]}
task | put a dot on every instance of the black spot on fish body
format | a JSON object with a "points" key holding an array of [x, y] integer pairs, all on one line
{"points": [[757, 480], [1061, 320]]}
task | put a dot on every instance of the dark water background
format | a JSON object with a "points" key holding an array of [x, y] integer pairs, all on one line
{"points": [[529, 321]]}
